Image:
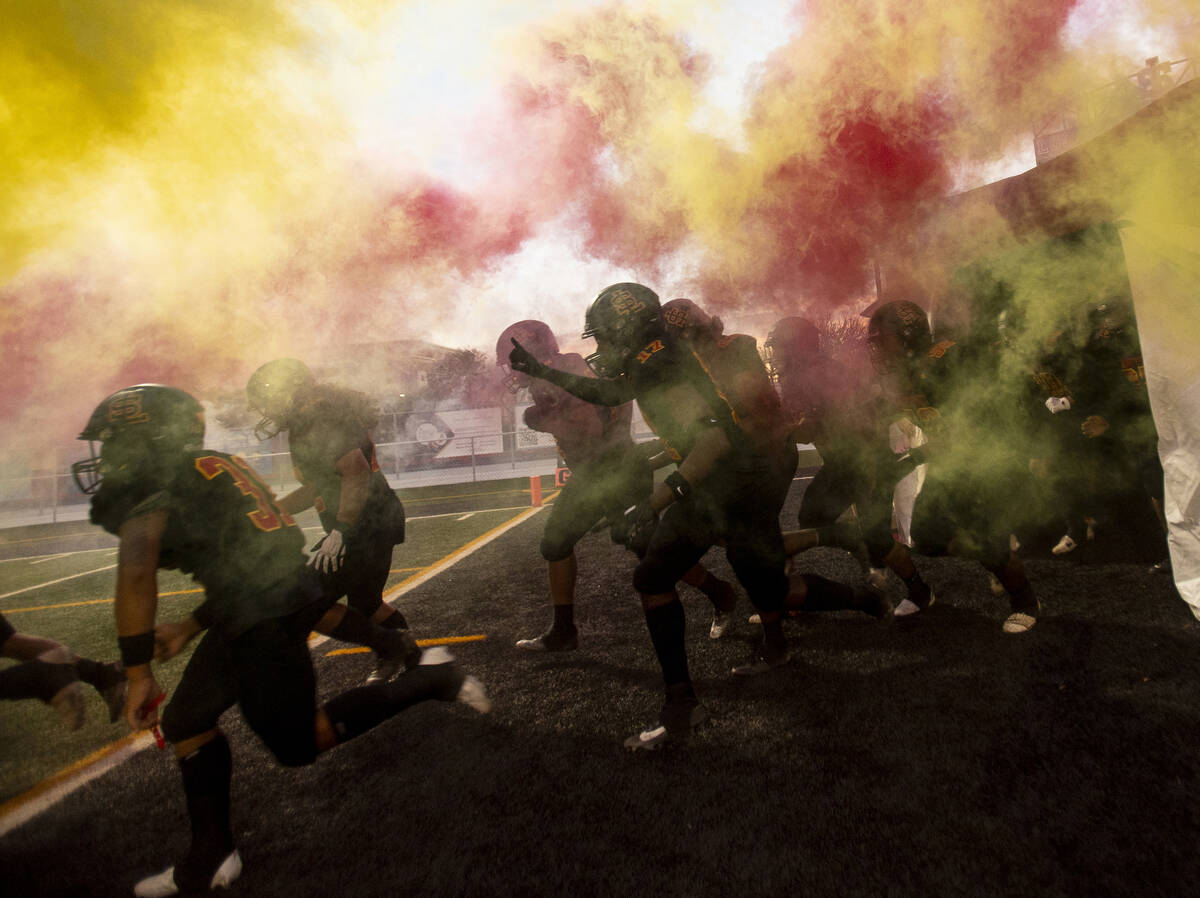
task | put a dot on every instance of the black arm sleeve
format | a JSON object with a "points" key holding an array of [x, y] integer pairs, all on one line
{"points": [[596, 390]]}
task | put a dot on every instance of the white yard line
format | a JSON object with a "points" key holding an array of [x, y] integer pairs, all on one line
{"points": [[17, 592], [37, 559], [22, 809]]}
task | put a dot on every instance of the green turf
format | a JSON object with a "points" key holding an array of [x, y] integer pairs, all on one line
{"points": [[33, 746]]}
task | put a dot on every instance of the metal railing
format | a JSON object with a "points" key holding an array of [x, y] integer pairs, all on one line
{"points": [[51, 497]]}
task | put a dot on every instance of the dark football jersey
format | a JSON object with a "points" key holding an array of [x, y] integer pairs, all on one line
{"points": [[741, 379], [585, 433], [319, 435], [1112, 383], [655, 374], [225, 529]]}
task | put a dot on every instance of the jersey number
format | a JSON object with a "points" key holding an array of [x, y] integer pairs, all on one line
{"points": [[268, 515]]}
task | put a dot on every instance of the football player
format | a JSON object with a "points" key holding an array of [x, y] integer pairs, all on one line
{"points": [[977, 477], [733, 362], [328, 430], [174, 504], [51, 672], [830, 409], [1112, 403], [609, 473], [722, 488]]}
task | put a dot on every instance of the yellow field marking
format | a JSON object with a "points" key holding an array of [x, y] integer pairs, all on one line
{"points": [[17, 810], [447, 560], [27, 805], [177, 592], [448, 640], [405, 570]]}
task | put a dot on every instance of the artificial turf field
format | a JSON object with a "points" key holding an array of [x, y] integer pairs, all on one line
{"points": [[934, 757]]}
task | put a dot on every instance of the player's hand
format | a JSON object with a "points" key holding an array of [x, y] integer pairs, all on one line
{"points": [[329, 552], [634, 528], [521, 359], [170, 638], [141, 698], [1093, 426]]}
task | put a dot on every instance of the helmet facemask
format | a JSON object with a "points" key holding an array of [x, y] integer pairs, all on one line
{"points": [[272, 392]]}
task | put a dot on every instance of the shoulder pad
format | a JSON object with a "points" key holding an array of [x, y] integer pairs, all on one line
{"points": [[939, 349]]}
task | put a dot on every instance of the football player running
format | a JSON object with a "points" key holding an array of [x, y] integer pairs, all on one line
{"points": [[733, 362], [51, 672], [721, 489], [328, 430], [174, 504], [977, 475], [829, 408], [609, 473]]}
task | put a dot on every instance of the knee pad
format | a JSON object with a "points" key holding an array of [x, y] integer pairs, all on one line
{"points": [[651, 577], [179, 723], [555, 549]]}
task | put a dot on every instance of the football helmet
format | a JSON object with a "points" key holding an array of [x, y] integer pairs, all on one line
{"points": [[271, 391], [898, 334], [622, 319], [683, 318], [535, 336], [792, 343], [137, 428]]}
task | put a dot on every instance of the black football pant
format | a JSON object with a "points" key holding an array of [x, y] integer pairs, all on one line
{"points": [[363, 573], [602, 489]]}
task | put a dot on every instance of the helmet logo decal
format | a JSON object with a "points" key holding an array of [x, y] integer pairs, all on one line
{"points": [[675, 316], [625, 303], [127, 409]]}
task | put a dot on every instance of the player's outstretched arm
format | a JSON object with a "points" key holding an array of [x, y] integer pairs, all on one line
{"points": [[596, 390]]}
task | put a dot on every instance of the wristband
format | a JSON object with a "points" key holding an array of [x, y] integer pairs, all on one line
{"points": [[136, 650], [679, 485]]}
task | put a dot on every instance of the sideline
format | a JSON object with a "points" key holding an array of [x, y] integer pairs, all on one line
{"points": [[24, 807]]}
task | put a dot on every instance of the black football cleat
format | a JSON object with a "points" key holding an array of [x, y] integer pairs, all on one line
{"points": [[769, 657], [551, 641], [677, 720]]}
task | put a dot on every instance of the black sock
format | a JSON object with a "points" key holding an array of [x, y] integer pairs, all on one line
{"points": [[564, 619], [826, 595], [357, 710], [918, 589], [36, 679], [666, 624], [98, 674], [395, 621], [1023, 600], [206, 776]]}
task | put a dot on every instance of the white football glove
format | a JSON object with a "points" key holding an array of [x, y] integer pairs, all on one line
{"points": [[329, 552], [1058, 404]]}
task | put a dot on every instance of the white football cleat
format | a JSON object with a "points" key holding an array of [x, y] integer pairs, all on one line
{"points": [[69, 704], [1064, 545], [721, 622], [1019, 622], [163, 884], [471, 693]]}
